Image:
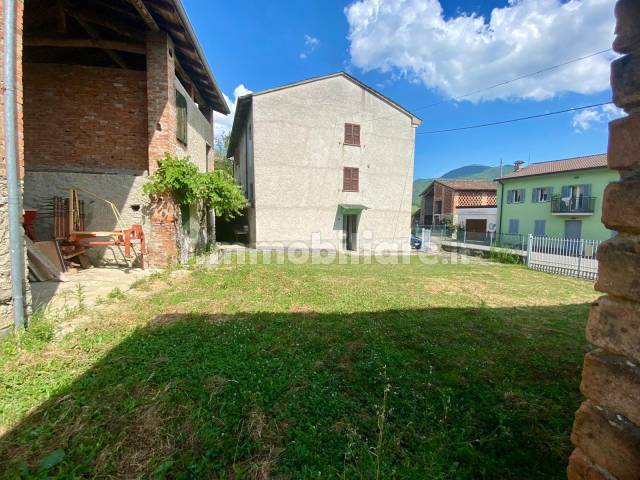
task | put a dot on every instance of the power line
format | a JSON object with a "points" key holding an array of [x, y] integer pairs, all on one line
{"points": [[526, 75], [506, 82], [513, 120]]}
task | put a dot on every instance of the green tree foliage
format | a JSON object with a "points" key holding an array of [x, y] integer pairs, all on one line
{"points": [[220, 148], [187, 185]]}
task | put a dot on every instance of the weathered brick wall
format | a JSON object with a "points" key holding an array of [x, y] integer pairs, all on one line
{"points": [[88, 117], [161, 128], [6, 311], [606, 431]]}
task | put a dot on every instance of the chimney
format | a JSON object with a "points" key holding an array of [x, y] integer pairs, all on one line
{"points": [[517, 165]]}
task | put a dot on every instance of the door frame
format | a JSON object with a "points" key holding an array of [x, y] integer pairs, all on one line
{"points": [[350, 228]]}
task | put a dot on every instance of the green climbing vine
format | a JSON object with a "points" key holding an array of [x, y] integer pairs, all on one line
{"points": [[181, 178]]}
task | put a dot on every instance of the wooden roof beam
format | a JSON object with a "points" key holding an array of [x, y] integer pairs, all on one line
{"points": [[85, 43], [146, 16]]}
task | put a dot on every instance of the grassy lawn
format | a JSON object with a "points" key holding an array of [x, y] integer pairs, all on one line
{"points": [[305, 371]]}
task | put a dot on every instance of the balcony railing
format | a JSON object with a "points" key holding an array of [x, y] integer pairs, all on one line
{"points": [[573, 205]]}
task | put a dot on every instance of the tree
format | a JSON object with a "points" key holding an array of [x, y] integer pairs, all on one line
{"points": [[221, 145]]}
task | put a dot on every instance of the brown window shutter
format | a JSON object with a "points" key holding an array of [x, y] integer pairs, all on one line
{"points": [[355, 133], [350, 179], [351, 134]]}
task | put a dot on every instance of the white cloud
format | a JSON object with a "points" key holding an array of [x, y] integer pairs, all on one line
{"points": [[222, 124], [467, 52], [310, 44], [586, 119]]}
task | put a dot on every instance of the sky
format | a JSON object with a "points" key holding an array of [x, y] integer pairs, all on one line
{"points": [[425, 55]]}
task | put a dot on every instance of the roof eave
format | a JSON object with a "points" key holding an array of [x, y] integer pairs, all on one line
{"points": [[222, 106]]}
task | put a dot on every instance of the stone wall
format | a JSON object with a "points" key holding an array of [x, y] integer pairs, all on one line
{"points": [[606, 431], [6, 311]]}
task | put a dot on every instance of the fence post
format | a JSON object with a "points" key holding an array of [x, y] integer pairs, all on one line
{"points": [[464, 240], [580, 252], [529, 250]]}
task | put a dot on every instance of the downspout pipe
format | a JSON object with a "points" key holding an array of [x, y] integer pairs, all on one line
{"points": [[501, 205], [13, 183]]}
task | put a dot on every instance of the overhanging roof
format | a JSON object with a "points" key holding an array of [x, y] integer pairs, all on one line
{"points": [[188, 50]]}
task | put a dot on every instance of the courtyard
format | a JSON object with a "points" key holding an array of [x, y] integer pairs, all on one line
{"points": [[374, 370]]}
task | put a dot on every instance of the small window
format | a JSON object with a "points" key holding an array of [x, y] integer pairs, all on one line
{"points": [[515, 196], [350, 179], [351, 134], [539, 227], [542, 194], [514, 226], [181, 117]]}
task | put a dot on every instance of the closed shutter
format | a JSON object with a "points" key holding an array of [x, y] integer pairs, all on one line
{"points": [[351, 134], [181, 117], [539, 228], [350, 179], [566, 191], [514, 226], [534, 194]]}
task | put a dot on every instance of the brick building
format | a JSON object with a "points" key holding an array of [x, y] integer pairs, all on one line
{"points": [[606, 429], [470, 204], [104, 89]]}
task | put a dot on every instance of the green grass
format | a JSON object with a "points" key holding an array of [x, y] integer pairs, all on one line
{"points": [[307, 371]]}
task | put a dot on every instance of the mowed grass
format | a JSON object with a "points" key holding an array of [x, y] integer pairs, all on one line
{"points": [[306, 371]]}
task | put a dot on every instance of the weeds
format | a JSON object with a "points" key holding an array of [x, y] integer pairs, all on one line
{"points": [[503, 256], [115, 294]]}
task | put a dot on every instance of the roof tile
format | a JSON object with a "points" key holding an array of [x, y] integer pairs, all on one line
{"points": [[559, 166]]}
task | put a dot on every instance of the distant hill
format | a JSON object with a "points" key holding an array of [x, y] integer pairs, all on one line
{"points": [[468, 172]]}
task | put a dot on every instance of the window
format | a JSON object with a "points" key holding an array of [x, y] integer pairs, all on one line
{"points": [[515, 196], [576, 191], [542, 194], [181, 117], [539, 227], [351, 134], [350, 179], [514, 226]]}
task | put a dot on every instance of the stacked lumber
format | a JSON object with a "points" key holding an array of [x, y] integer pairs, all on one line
{"points": [[45, 261]]}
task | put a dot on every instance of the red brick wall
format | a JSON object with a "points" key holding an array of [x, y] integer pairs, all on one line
{"points": [[606, 430], [19, 91], [161, 93], [90, 117]]}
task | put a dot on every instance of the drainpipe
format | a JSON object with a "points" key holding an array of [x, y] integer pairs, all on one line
{"points": [[13, 185]]}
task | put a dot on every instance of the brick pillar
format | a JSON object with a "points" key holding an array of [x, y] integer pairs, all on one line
{"points": [[606, 431], [161, 119], [6, 308]]}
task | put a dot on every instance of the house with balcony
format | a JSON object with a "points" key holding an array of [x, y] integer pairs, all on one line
{"points": [[560, 198], [469, 204]]}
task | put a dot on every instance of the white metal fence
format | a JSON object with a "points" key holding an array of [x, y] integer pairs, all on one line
{"points": [[565, 256]]}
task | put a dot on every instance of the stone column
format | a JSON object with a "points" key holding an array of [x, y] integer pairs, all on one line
{"points": [[161, 120], [606, 430]]}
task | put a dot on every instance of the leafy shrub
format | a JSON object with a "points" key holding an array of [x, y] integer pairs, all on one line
{"points": [[502, 256], [181, 179]]}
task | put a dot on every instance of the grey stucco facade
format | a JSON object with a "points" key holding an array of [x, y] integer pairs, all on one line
{"points": [[289, 155]]}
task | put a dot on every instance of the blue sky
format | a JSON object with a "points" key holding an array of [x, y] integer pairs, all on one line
{"points": [[418, 52]]}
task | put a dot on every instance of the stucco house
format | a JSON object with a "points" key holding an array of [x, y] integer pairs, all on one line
{"points": [[326, 163], [103, 91], [470, 204], [560, 198]]}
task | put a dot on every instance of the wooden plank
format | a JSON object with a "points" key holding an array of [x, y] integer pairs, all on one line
{"points": [[39, 262], [146, 16], [85, 43], [51, 250]]}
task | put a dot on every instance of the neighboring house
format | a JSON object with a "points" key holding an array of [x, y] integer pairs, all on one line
{"points": [[325, 163], [470, 204], [561, 198], [104, 89]]}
